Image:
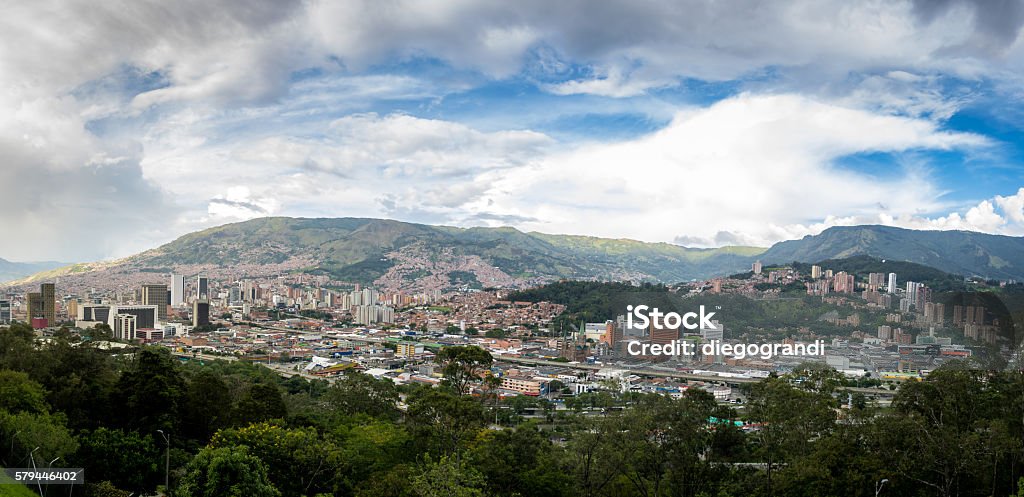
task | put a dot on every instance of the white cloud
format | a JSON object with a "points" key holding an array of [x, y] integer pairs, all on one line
{"points": [[760, 167], [211, 119]]}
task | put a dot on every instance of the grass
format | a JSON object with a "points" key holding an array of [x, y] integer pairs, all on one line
{"points": [[8, 488]]}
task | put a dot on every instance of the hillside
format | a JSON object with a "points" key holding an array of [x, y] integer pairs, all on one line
{"points": [[862, 265], [958, 252], [393, 254]]}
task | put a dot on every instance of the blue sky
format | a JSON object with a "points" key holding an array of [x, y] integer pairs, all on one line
{"points": [[689, 122]]}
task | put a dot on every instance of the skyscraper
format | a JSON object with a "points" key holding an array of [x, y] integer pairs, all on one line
{"points": [[756, 267], [5, 311], [202, 288], [177, 289], [49, 292], [200, 313], [41, 311], [156, 295], [892, 283]]}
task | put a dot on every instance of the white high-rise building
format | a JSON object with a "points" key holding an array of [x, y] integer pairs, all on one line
{"points": [[177, 289], [892, 283]]}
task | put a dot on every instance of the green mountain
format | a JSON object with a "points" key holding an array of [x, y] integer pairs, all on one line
{"points": [[395, 254], [363, 250], [960, 252]]}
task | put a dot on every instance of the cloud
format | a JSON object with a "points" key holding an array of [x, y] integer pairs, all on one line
{"points": [[751, 164], [239, 203], [151, 118]]}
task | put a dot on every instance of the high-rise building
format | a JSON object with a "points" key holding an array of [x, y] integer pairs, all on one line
{"points": [[200, 313], [125, 327], [663, 335], [202, 288], [41, 311], [844, 283], [912, 290], [156, 295], [72, 308], [815, 272], [756, 267], [49, 295], [34, 306], [177, 289], [876, 280], [5, 311]]}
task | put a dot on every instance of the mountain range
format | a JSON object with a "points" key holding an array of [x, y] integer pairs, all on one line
{"points": [[393, 254], [13, 270]]}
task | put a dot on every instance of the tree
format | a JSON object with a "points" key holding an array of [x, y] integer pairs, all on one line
{"points": [[262, 402], [126, 459], [149, 392], [298, 460], [18, 393], [358, 393], [449, 478], [24, 431], [463, 365], [442, 421], [207, 407], [226, 472]]}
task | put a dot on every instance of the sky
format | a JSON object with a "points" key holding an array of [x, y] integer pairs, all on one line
{"points": [[125, 124]]}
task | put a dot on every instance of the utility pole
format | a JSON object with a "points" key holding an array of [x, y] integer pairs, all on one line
{"points": [[167, 462]]}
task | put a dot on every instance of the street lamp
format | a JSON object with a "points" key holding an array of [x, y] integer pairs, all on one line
{"points": [[31, 455], [879, 485], [167, 462]]}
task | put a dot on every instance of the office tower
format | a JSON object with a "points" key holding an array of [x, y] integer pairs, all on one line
{"points": [[756, 267], [892, 283], [203, 288], [177, 289], [125, 327], [156, 295], [49, 295], [200, 313], [34, 311], [815, 272], [5, 311], [145, 315]]}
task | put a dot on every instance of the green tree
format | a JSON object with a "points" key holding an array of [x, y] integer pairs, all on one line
{"points": [[358, 393], [149, 392], [442, 422], [126, 459], [298, 460], [226, 472], [262, 402], [448, 478], [207, 406], [18, 393], [463, 365]]}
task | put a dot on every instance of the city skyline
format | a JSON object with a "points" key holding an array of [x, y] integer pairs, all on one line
{"points": [[662, 121]]}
